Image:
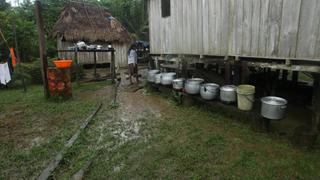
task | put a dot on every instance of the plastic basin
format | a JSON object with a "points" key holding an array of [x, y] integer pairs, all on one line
{"points": [[63, 64]]}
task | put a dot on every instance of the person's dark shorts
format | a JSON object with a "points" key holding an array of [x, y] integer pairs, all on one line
{"points": [[133, 69]]}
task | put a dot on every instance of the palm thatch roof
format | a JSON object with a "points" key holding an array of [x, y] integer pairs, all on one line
{"points": [[80, 21]]}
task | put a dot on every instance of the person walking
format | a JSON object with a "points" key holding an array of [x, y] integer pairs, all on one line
{"points": [[133, 64]]}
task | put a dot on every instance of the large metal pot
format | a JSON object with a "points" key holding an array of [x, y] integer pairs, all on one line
{"points": [[192, 86], [158, 78], [209, 91], [273, 108], [228, 94], [167, 78], [152, 75], [178, 84]]}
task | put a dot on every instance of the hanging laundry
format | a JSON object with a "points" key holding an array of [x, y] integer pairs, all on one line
{"points": [[5, 76], [13, 58], [9, 61]]}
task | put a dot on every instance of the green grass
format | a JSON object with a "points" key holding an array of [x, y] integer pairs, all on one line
{"points": [[34, 129], [188, 143], [184, 143]]}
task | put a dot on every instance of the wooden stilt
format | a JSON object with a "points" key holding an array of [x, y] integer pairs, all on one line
{"points": [[244, 72], [295, 76], [274, 76], [284, 75], [184, 64], [237, 71], [316, 103], [227, 71]]}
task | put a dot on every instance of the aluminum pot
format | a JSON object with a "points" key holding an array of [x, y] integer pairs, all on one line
{"points": [[273, 108], [158, 78], [167, 78], [192, 86], [228, 94], [152, 75], [209, 91], [178, 84]]}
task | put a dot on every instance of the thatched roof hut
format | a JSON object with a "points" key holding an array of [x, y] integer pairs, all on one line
{"points": [[94, 25]]}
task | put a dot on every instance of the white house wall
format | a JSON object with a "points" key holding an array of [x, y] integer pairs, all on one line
{"points": [[262, 28]]}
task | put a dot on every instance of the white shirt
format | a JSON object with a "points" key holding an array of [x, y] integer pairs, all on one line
{"points": [[132, 57], [5, 76]]}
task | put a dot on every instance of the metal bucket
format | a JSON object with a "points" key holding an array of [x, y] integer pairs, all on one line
{"points": [[273, 108]]}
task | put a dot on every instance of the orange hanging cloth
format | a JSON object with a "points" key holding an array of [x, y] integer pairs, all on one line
{"points": [[13, 58]]}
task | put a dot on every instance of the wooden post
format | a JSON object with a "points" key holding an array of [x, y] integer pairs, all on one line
{"points": [[244, 72], [274, 76], [236, 69], [316, 104], [295, 77], [77, 65], [284, 75], [113, 66], [95, 64], [227, 70], [42, 48], [17, 53], [184, 69]]}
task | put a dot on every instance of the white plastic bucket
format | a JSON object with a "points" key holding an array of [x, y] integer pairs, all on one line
{"points": [[245, 96]]}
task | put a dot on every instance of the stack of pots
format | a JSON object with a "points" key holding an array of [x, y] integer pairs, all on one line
{"points": [[209, 91], [228, 94], [192, 86]]}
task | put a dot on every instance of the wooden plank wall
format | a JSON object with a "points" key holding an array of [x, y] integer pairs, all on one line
{"points": [[258, 28], [102, 57]]}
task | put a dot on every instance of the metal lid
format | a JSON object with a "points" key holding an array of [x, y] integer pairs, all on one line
{"points": [[273, 100], [178, 80], [213, 85], [228, 88], [169, 74], [195, 80], [154, 71]]}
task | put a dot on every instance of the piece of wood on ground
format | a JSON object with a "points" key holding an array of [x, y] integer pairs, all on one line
{"points": [[45, 174]]}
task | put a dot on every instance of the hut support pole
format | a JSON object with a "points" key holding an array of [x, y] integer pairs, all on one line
{"points": [[77, 64], [42, 48], [113, 66], [95, 64], [227, 70], [316, 103]]}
